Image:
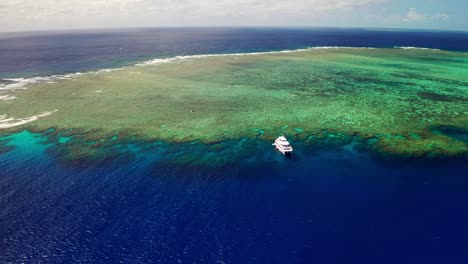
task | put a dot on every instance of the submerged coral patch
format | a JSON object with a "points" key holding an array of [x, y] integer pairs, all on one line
{"points": [[441, 97], [458, 133], [4, 146]]}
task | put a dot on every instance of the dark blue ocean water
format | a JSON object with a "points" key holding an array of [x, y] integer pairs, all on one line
{"points": [[45, 53], [324, 206], [327, 205]]}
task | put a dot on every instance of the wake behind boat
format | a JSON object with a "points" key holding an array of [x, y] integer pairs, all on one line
{"points": [[282, 144]]}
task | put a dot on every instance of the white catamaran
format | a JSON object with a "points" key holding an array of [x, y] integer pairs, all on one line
{"points": [[282, 144]]}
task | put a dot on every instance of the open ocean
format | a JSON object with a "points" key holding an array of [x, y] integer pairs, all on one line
{"points": [[326, 205]]}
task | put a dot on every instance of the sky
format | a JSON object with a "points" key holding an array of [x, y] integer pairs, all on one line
{"points": [[29, 15]]}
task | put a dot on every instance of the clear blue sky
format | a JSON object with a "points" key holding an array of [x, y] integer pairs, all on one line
{"points": [[21, 15]]}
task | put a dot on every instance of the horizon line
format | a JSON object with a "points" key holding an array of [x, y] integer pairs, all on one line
{"points": [[233, 27]]}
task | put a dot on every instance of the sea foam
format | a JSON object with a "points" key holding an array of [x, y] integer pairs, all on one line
{"points": [[416, 48], [19, 83], [7, 97], [201, 56], [14, 122]]}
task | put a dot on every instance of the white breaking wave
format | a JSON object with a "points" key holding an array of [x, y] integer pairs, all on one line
{"points": [[7, 98], [105, 70], [201, 56], [19, 83], [14, 122], [417, 48]]}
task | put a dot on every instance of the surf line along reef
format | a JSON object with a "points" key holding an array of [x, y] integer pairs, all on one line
{"points": [[404, 102]]}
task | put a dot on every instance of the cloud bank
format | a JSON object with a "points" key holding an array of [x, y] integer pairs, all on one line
{"points": [[68, 14], [108, 13], [414, 16]]}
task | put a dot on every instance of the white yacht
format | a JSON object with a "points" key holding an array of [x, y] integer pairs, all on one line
{"points": [[282, 144]]}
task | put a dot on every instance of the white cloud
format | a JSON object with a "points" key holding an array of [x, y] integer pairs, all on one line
{"points": [[21, 14], [413, 15], [441, 16]]}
